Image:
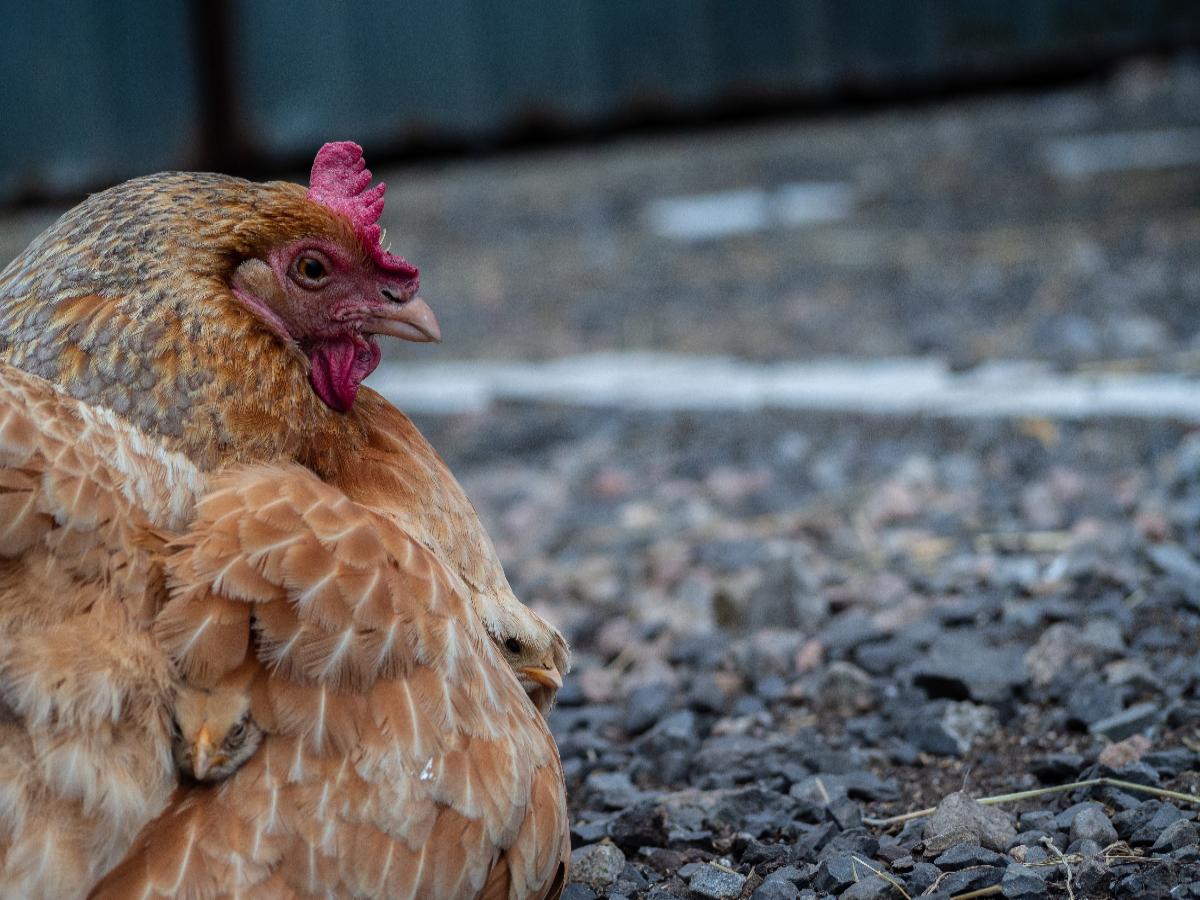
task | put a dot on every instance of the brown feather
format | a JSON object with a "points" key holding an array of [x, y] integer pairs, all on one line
{"points": [[449, 779], [86, 688]]}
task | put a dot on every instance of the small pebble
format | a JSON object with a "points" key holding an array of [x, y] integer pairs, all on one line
{"points": [[597, 865], [1092, 824], [1022, 883], [717, 884], [870, 887], [775, 890], [1180, 833]]}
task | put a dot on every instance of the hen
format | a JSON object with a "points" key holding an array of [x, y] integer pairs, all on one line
{"points": [[235, 321]]}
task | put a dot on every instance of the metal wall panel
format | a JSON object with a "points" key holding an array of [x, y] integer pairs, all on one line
{"points": [[97, 91], [93, 91]]}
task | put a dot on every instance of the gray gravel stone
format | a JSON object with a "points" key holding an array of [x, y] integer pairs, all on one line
{"points": [[1089, 875], [953, 837], [966, 722], [1084, 847], [1165, 814], [958, 813], [717, 884], [614, 789], [578, 892], [1092, 824], [597, 865], [845, 688], [871, 887], [835, 873], [1136, 718], [1038, 854], [968, 667], [1022, 883], [1094, 701], [775, 890], [932, 736], [1180, 833], [923, 874], [645, 705], [1037, 820], [676, 732], [1138, 772], [1171, 761], [961, 856], [1065, 819], [1180, 567], [975, 879], [791, 874]]}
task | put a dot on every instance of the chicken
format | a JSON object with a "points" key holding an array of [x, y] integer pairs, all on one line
{"points": [[235, 322], [215, 734], [401, 758], [234, 319], [90, 505]]}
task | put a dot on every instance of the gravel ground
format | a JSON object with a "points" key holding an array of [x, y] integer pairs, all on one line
{"points": [[786, 625]]}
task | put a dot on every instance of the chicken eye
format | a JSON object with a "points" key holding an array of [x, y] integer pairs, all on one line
{"points": [[310, 268], [236, 732], [512, 645]]}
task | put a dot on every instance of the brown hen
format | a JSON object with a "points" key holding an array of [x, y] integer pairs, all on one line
{"points": [[236, 321]]}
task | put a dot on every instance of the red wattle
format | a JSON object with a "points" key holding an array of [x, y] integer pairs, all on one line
{"points": [[338, 367]]}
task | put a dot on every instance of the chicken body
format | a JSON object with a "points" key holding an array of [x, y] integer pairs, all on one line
{"points": [[85, 746], [235, 321], [401, 758]]}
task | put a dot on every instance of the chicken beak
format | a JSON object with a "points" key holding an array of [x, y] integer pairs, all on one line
{"points": [[409, 320], [545, 675], [202, 754]]}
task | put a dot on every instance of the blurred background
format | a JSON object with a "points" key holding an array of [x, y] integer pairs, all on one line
{"points": [[818, 366], [964, 179]]}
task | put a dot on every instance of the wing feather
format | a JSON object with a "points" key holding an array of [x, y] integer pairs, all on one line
{"points": [[385, 770], [84, 746]]}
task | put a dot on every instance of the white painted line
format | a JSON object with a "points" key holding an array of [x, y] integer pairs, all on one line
{"points": [[1097, 154], [813, 202], [896, 386], [701, 217], [705, 216]]}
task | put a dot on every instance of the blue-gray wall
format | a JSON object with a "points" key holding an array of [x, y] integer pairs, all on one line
{"points": [[96, 91]]}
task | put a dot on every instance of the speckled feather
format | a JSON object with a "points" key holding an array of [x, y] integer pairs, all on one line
{"points": [[125, 302]]}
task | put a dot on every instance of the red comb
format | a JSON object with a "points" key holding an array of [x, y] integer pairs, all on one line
{"points": [[340, 181]]}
